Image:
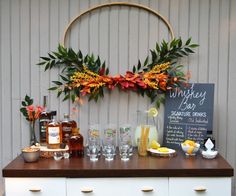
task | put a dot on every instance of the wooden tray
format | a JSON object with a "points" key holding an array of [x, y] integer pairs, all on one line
{"points": [[48, 153]]}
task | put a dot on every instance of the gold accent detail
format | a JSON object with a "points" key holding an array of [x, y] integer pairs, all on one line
{"points": [[34, 190], [118, 4], [86, 190], [147, 189], [200, 189]]}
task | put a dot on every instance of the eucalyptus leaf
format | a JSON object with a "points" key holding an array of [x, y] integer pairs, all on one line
{"points": [[57, 83], [53, 88]]}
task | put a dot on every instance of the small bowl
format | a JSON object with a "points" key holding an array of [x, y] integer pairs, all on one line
{"points": [[30, 154], [188, 149], [209, 154]]}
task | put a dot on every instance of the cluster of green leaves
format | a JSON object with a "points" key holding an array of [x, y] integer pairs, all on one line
{"points": [[71, 62], [165, 52], [27, 102]]}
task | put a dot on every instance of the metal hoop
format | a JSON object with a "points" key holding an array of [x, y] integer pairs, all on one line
{"points": [[117, 4]]}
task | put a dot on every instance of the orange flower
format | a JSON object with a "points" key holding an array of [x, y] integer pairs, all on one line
{"points": [[38, 110], [30, 108], [85, 91]]}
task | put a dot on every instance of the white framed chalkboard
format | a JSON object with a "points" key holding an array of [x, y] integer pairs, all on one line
{"points": [[188, 114]]}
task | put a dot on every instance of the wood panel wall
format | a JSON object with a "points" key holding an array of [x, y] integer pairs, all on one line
{"points": [[121, 36]]}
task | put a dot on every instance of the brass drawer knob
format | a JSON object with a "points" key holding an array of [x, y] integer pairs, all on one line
{"points": [[35, 190], [86, 190], [147, 189], [200, 189]]}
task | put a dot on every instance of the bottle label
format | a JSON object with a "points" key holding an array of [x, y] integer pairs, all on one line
{"points": [[43, 129], [66, 129], [54, 135]]}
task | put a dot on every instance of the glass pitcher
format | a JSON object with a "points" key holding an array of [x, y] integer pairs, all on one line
{"points": [[145, 120]]}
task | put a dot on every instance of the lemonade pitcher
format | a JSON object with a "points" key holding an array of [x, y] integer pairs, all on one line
{"points": [[147, 120]]}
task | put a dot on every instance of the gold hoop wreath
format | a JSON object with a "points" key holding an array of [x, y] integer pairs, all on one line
{"points": [[86, 75], [117, 4]]}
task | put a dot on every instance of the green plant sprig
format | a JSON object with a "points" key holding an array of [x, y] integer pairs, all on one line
{"points": [[71, 62], [27, 102]]}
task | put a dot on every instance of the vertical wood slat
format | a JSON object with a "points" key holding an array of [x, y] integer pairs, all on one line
{"points": [[40, 27], [203, 41], [15, 72], [143, 49], [193, 32], [133, 60], [183, 21], [6, 82], [34, 47], [54, 39], [73, 11], [213, 57], [44, 46], [1, 84], [222, 104], [63, 21], [231, 145], [113, 60], [25, 63], [83, 45], [123, 61], [93, 49], [104, 54]]}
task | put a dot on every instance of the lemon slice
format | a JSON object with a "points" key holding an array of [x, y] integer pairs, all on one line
{"points": [[163, 149], [152, 112], [155, 144]]}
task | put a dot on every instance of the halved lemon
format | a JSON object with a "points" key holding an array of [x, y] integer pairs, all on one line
{"points": [[152, 112], [155, 144]]}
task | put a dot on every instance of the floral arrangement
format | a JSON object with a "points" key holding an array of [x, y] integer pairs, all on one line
{"points": [[31, 113], [85, 75]]}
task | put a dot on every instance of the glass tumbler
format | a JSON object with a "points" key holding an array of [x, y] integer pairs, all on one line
{"points": [[126, 136], [93, 148], [93, 135], [109, 142], [124, 150]]}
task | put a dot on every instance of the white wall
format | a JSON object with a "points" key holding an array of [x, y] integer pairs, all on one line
{"points": [[29, 29]]}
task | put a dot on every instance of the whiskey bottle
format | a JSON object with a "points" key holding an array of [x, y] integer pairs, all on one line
{"points": [[67, 127], [44, 119], [76, 144], [54, 133]]}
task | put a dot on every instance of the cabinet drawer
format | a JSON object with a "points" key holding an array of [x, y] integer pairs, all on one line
{"points": [[200, 186], [117, 186], [35, 186]]}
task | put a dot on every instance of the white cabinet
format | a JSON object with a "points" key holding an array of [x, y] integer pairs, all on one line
{"points": [[118, 186], [207, 186], [35, 186], [145, 186]]}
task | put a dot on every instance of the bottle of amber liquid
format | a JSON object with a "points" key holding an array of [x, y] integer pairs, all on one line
{"points": [[44, 119], [76, 144], [67, 127], [54, 133]]}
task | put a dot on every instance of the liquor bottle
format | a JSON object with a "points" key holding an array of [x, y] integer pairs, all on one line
{"points": [[54, 133], [210, 135], [76, 144], [67, 127], [44, 119]]}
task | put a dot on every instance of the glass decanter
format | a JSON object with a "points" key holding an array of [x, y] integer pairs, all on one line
{"points": [[145, 123]]}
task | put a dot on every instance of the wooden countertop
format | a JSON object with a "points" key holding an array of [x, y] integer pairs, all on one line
{"points": [[178, 166]]}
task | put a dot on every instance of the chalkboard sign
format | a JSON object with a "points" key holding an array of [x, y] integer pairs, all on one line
{"points": [[188, 114]]}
